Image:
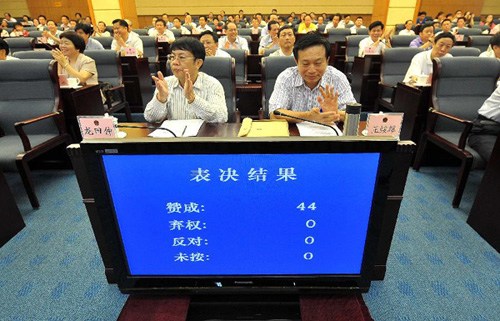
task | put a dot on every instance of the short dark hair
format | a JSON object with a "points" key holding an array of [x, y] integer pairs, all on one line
{"points": [[65, 16], [445, 20], [77, 41], [495, 40], [121, 22], [422, 12], [461, 18], [285, 27], [208, 32], [87, 29], [271, 23], [227, 24], [311, 40], [4, 45], [42, 16], [409, 20], [190, 44], [375, 24], [421, 28], [444, 35], [161, 21], [17, 24]]}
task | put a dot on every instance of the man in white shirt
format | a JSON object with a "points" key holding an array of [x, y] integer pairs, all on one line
{"points": [[202, 27], [188, 21], [407, 31], [421, 64], [123, 39], [189, 93], [232, 40], [164, 17], [346, 22], [161, 31], [210, 42], [8, 17], [42, 23], [460, 25], [286, 41], [358, 24], [334, 23], [493, 50], [178, 26], [265, 31], [376, 41], [271, 40]]}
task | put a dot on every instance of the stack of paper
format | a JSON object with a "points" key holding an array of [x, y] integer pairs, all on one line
{"points": [[181, 128]]}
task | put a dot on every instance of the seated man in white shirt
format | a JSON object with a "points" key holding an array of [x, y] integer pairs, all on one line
{"points": [[210, 42], [162, 31], [460, 25], [421, 64], [85, 31], [231, 40], [358, 24], [270, 41], [407, 31], [202, 27], [177, 26], [123, 39], [286, 40], [486, 126], [334, 23], [493, 50], [377, 40], [312, 90], [189, 93]]}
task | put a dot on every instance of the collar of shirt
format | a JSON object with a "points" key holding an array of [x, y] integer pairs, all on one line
{"points": [[198, 84]]}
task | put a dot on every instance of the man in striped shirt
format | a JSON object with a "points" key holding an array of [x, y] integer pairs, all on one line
{"points": [[313, 90], [189, 93]]}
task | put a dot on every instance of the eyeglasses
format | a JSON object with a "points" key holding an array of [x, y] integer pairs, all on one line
{"points": [[180, 58]]}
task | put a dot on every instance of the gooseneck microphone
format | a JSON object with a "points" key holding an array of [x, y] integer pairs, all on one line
{"points": [[279, 113], [147, 127]]}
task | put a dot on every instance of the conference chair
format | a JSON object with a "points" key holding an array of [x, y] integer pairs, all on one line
{"points": [[479, 42], [338, 34], [469, 31], [109, 69], [33, 54], [177, 33], [351, 51], [321, 29], [460, 85], [141, 32], [105, 41], [19, 44], [363, 31], [223, 69], [271, 68], [465, 52], [36, 33], [267, 52], [151, 52], [401, 40], [245, 32], [30, 125], [398, 27], [395, 63], [240, 57]]}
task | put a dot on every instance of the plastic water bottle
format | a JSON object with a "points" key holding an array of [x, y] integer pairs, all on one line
{"points": [[351, 122]]}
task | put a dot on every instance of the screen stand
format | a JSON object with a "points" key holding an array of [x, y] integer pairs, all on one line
{"points": [[312, 308]]}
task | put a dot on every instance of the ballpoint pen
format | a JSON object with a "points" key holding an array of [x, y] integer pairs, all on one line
{"points": [[184, 131]]}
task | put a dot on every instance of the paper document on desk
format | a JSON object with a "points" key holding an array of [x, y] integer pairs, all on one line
{"points": [[311, 129], [181, 128], [264, 128]]}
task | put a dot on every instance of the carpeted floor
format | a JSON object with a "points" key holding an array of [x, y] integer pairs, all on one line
{"points": [[439, 268]]}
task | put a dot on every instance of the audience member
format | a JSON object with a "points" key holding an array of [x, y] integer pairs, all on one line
{"points": [[8, 17], [177, 26], [460, 25], [334, 23], [123, 39], [488, 21], [425, 38], [422, 18], [19, 31], [421, 64], [469, 19], [72, 24], [164, 17], [446, 27], [493, 50], [189, 93], [161, 30], [85, 31], [188, 22], [255, 29], [358, 24], [286, 42], [5, 50], [72, 61], [312, 90], [52, 34], [202, 25], [101, 30], [270, 41], [27, 21], [486, 127], [42, 23], [376, 42], [307, 25], [64, 23], [457, 15], [4, 31], [210, 41], [231, 40], [407, 31], [346, 22]]}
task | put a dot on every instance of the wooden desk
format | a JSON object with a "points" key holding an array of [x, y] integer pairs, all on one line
{"points": [[365, 79], [401, 158], [137, 81], [82, 101], [484, 216], [11, 221]]}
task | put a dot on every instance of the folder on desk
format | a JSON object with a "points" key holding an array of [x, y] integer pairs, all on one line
{"points": [[263, 128]]}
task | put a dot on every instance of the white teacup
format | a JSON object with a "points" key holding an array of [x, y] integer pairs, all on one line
{"points": [[73, 82]]}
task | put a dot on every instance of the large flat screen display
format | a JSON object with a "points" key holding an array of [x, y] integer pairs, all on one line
{"points": [[242, 214]]}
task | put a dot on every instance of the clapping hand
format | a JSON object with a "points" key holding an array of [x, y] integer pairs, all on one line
{"points": [[162, 87]]}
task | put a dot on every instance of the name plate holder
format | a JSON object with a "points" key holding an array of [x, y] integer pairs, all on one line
{"points": [[384, 124], [95, 127]]}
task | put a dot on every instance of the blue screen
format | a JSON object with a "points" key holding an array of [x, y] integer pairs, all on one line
{"points": [[242, 214]]}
